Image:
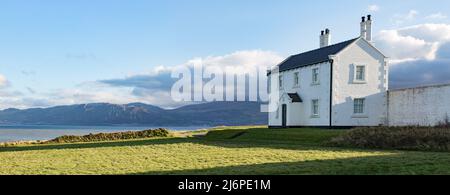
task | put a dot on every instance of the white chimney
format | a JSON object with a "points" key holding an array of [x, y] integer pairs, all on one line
{"points": [[369, 28], [366, 28], [322, 35], [325, 38], [363, 27]]}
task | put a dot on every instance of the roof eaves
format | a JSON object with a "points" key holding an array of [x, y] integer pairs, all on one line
{"points": [[311, 64]]}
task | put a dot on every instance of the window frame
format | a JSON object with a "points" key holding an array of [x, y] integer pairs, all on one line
{"points": [[362, 106], [280, 81], [313, 114], [277, 114], [356, 80], [296, 79], [315, 80]]}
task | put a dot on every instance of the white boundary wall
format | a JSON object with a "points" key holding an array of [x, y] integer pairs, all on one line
{"points": [[423, 106]]}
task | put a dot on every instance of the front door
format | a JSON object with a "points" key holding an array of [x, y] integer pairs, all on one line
{"points": [[284, 116]]}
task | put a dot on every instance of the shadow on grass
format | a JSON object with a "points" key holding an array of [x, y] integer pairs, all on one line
{"points": [[98, 144], [300, 139], [393, 164]]}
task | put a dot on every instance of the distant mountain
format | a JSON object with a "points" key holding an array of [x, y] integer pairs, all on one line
{"points": [[211, 114]]}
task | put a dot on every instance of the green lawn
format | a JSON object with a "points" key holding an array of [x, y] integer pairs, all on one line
{"points": [[238, 150]]}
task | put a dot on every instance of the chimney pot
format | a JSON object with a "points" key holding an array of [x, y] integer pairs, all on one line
{"points": [[327, 31], [363, 19], [369, 17], [322, 33]]}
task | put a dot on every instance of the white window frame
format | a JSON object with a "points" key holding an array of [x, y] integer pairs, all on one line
{"points": [[277, 116], [296, 79], [355, 74], [317, 80], [363, 108], [315, 115], [280, 81]]}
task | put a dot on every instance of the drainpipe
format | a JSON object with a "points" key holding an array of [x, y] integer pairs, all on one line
{"points": [[331, 93]]}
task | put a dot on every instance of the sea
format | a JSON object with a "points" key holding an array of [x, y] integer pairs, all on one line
{"points": [[11, 133]]}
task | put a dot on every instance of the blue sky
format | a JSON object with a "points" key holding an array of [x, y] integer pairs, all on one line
{"points": [[54, 46]]}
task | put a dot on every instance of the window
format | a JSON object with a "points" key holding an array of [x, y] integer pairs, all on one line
{"points": [[359, 105], [315, 76], [315, 108], [360, 74], [296, 79], [280, 81], [277, 116]]}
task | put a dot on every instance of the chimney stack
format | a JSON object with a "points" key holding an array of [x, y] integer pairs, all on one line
{"points": [[325, 38], [363, 27], [366, 28], [369, 28]]}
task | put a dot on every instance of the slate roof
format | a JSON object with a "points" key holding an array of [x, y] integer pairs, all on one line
{"points": [[295, 97], [314, 56]]}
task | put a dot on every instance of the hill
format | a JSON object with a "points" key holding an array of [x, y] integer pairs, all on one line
{"points": [[212, 114]]}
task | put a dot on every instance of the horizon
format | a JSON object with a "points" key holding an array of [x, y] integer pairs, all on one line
{"points": [[126, 104], [65, 53]]}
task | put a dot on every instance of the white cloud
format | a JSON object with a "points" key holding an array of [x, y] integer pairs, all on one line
{"points": [[413, 42], [436, 16], [399, 19], [3, 81], [419, 54], [151, 88], [373, 8]]}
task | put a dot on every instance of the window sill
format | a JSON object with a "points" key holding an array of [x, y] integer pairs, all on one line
{"points": [[359, 82], [360, 116], [315, 84], [315, 116]]}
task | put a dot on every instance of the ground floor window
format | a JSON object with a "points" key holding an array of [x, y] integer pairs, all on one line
{"points": [[315, 108], [359, 105]]}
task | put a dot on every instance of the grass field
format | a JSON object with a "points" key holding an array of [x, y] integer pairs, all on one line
{"points": [[238, 150]]}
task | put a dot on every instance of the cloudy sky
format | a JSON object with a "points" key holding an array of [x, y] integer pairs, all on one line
{"points": [[56, 52]]}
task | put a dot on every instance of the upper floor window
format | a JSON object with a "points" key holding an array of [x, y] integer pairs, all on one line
{"points": [[315, 108], [359, 105], [296, 79], [280, 81], [360, 73], [315, 76]]}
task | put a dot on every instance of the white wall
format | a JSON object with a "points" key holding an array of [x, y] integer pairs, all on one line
{"points": [[299, 114], [374, 90], [424, 106]]}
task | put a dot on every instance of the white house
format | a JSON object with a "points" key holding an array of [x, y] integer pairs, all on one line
{"points": [[340, 85]]}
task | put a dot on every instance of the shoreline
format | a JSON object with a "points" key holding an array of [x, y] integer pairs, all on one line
{"points": [[174, 133]]}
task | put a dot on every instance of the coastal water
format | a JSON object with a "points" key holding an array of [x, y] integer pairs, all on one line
{"points": [[10, 133]]}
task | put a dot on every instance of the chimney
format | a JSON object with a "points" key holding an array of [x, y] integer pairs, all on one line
{"points": [[322, 35], [369, 28], [366, 28], [325, 38], [363, 27]]}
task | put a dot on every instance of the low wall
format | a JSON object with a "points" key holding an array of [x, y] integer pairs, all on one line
{"points": [[423, 106]]}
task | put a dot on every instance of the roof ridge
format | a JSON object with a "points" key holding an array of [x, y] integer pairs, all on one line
{"points": [[314, 56], [350, 40]]}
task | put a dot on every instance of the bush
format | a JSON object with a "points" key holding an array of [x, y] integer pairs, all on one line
{"points": [[111, 136], [445, 123], [402, 138]]}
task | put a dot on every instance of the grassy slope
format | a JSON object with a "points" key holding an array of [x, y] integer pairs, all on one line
{"points": [[227, 151]]}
